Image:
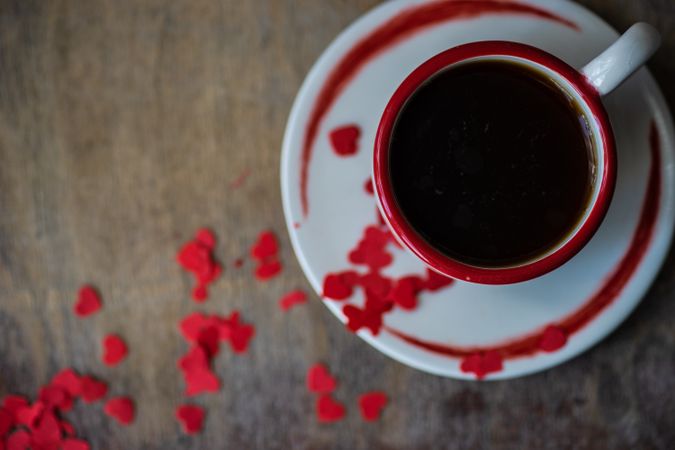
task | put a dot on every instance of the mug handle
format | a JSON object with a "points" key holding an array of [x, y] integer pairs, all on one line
{"points": [[618, 62]]}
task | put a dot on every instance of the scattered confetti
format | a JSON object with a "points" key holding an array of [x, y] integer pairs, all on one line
{"points": [[344, 140], [371, 405], [197, 258], [328, 409], [88, 301], [320, 380], [92, 389], [114, 350], [191, 418], [292, 299], [121, 409], [265, 251]]}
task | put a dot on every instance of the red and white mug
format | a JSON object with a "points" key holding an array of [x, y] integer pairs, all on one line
{"points": [[599, 77]]}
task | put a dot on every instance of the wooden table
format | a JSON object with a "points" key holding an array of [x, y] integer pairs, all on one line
{"points": [[122, 125]]}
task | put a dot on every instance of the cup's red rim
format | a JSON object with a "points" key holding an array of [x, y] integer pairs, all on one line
{"points": [[416, 243]]}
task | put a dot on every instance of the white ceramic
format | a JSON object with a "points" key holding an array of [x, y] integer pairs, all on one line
{"points": [[468, 315]]}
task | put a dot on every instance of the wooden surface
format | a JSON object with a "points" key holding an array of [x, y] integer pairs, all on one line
{"points": [[122, 124]]}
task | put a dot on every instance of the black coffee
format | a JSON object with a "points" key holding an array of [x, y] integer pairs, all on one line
{"points": [[491, 163]]}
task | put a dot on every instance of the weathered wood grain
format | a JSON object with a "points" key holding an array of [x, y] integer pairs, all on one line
{"points": [[122, 124]]}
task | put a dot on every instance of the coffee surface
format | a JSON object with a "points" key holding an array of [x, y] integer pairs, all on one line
{"points": [[491, 163]]}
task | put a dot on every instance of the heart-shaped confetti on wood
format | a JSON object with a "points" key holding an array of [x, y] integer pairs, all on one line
{"points": [[328, 409], [121, 409], [320, 380], [371, 405], [114, 350], [191, 418], [92, 389], [88, 301]]}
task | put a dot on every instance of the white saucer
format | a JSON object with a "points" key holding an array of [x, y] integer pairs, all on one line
{"points": [[618, 264]]}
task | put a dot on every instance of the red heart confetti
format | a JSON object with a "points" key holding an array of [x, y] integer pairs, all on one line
{"points": [[339, 286], [121, 409], [329, 410], [114, 350], [404, 292], [6, 422], [265, 247], [92, 389], [320, 380], [371, 405], [88, 301], [206, 237], [268, 270], [29, 415], [343, 140], [553, 338], [74, 444], [358, 318], [293, 298], [68, 380], [197, 258], [19, 440], [47, 431], [482, 364], [199, 381], [12, 404], [54, 396], [191, 418]]}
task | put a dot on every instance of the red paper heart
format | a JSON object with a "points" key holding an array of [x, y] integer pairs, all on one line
{"points": [[120, 408], [54, 396], [13, 403], [553, 338], [328, 410], [404, 293], [47, 432], [320, 380], [291, 299], [114, 350], [336, 287], [68, 380], [67, 428], [74, 444], [92, 389], [267, 270], [30, 414], [19, 440], [266, 246], [6, 422], [88, 301], [200, 293], [191, 418], [371, 404], [343, 140], [482, 364], [240, 337], [199, 381], [206, 237]]}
